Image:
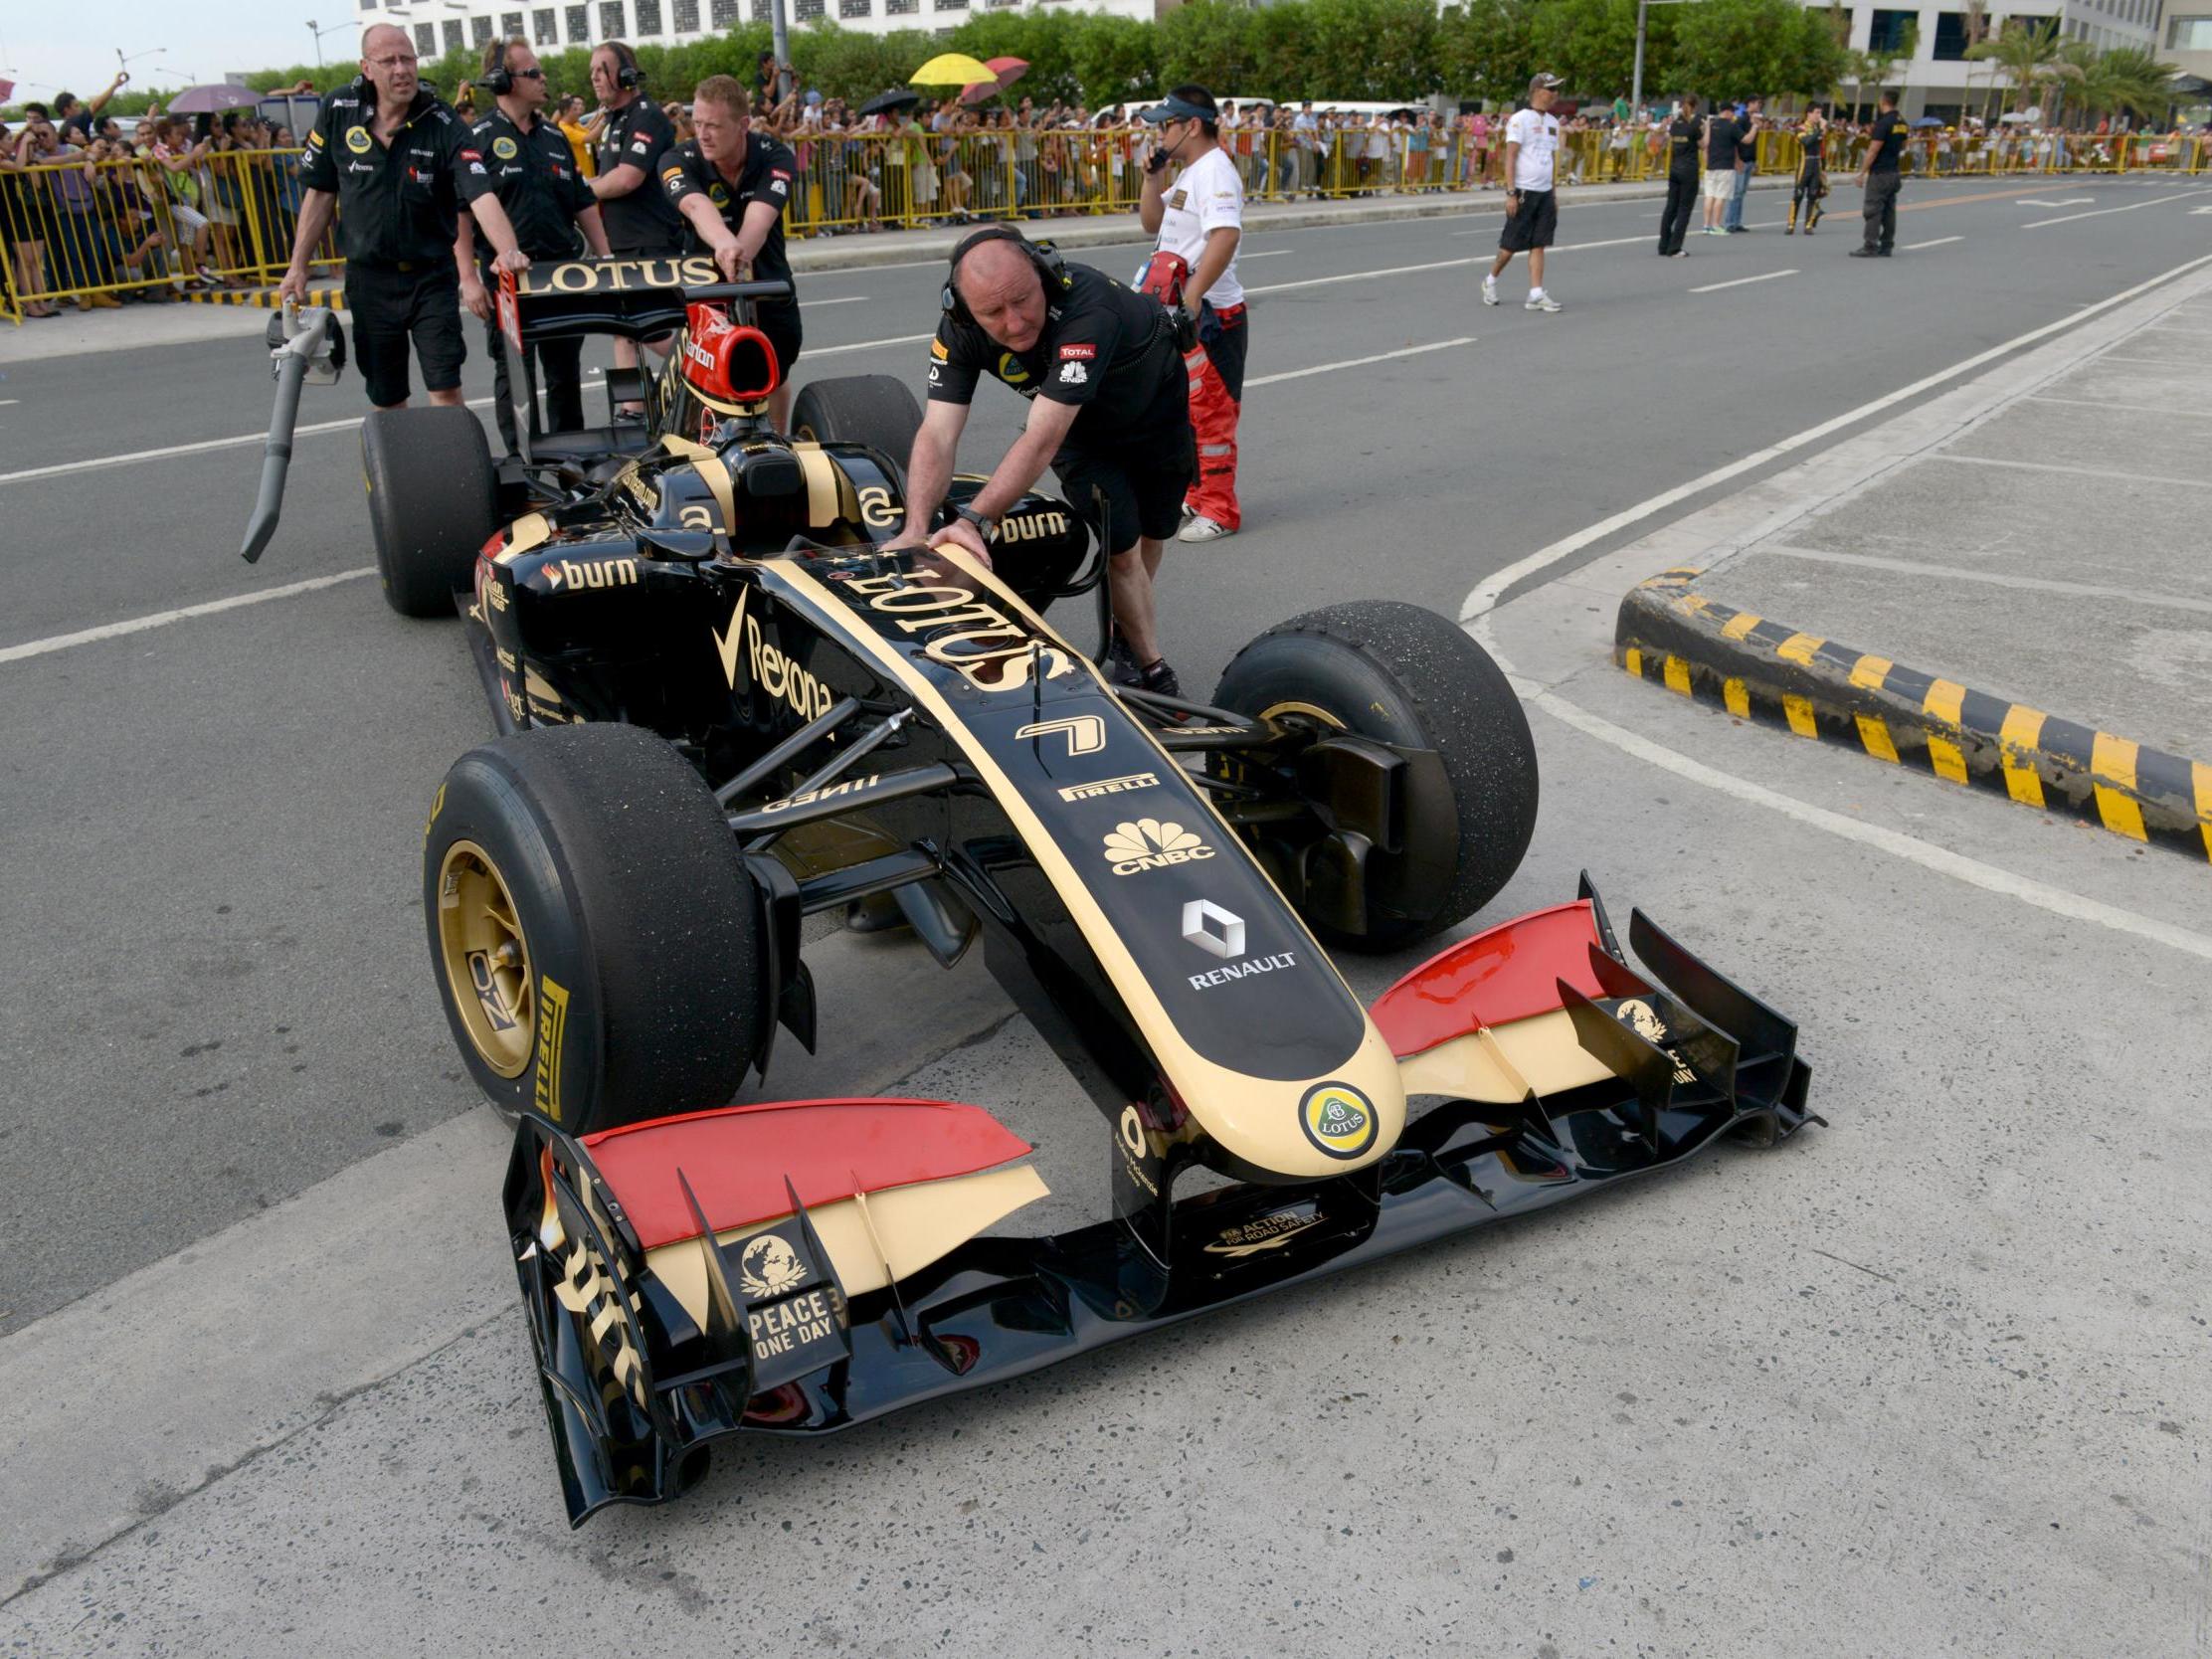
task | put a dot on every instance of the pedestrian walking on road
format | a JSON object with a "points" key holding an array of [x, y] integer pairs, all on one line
{"points": [[1682, 178], [1531, 204], [1721, 132], [1198, 214], [1880, 179], [1811, 182]]}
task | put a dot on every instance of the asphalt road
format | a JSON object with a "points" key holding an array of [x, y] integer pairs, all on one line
{"points": [[215, 994]]}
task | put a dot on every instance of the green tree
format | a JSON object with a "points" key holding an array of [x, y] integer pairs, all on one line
{"points": [[2134, 78], [1732, 49], [1212, 42], [1592, 44], [1486, 50], [2029, 55]]}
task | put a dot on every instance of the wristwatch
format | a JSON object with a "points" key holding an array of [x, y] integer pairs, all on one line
{"points": [[988, 526]]}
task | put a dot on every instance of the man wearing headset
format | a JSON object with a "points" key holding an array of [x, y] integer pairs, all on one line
{"points": [[1109, 412], [526, 162], [731, 184], [641, 223], [1199, 214]]}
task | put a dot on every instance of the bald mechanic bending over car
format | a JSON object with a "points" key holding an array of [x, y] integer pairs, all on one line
{"points": [[1109, 411]]}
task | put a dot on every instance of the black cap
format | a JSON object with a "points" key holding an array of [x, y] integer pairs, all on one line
{"points": [[1175, 108]]}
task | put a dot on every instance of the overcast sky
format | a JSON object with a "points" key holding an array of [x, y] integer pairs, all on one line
{"points": [[47, 46]]}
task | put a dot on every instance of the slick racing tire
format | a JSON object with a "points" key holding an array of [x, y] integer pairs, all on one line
{"points": [[596, 938], [433, 503], [1398, 674], [873, 409]]}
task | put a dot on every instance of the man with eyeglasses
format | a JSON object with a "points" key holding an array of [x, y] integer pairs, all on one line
{"points": [[526, 162], [388, 152]]}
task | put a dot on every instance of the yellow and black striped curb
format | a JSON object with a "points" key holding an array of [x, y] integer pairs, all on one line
{"points": [[1816, 688], [266, 299]]}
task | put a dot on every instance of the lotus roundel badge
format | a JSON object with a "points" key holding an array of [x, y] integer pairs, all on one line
{"points": [[1338, 1119]]}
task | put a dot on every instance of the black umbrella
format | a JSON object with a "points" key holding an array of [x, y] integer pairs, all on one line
{"points": [[883, 101]]}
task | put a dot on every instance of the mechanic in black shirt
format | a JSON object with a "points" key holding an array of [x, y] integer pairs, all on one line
{"points": [[388, 150], [731, 183], [1812, 182], [1880, 179], [528, 164], [1682, 178], [641, 223], [1109, 411]]}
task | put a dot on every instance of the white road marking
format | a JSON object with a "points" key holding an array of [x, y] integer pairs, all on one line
{"points": [[1263, 253], [6, 402], [1486, 594], [841, 300], [1367, 275], [2076, 471], [2130, 408], [2071, 201], [1359, 362], [1762, 277], [162, 618], [2069, 218], [93, 463], [2056, 900], [2150, 363], [1916, 247], [1991, 578]]}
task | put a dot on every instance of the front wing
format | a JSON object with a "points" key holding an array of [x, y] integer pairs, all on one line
{"points": [[793, 1268]]}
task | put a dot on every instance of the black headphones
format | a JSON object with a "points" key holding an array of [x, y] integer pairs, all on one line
{"points": [[627, 75], [497, 79], [1051, 270]]}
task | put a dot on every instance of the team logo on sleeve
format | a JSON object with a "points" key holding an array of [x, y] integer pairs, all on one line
{"points": [[315, 138], [938, 351], [357, 139], [1085, 350], [779, 181], [642, 144], [504, 148]]}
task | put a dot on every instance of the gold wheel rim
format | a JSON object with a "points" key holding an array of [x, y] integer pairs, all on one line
{"points": [[486, 958], [1276, 711]]}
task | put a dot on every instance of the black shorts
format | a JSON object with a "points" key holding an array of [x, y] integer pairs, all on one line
{"points": [[782, 326], [390, 307], [1533, 224], [1143, 487]]}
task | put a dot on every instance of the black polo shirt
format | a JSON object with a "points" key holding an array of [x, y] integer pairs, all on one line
{"points": [[396, 202], [765, 177], [1682, 146], [1106, 349], [1719, 144], [637, 136], [533, 173], [1887, 138]]}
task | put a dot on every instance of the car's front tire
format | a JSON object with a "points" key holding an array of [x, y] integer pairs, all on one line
{"points": [[595, 935], [877, 410], [433, 503], [1398, 674]]}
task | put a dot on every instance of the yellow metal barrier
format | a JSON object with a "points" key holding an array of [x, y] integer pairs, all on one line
{"points": [[87, 230]]}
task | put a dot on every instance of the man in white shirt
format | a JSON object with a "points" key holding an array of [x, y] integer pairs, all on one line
{"points": [[1532, 206], [1193, 202]]}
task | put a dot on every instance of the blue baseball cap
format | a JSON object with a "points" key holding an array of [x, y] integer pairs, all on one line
{"points": [[1174, 108]]}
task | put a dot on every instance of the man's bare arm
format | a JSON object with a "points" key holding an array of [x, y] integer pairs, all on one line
{"points": [[929, 470], [1213, 258], [1032, 453]]}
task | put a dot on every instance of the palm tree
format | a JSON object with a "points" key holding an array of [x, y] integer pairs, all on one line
{"points": [[2132, 78], [1857, 69], [2032, 57]]}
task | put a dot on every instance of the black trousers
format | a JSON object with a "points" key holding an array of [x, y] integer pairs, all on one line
{"points": [[1881, 211], [1682, 205], [1811, 185], [560, 376]]}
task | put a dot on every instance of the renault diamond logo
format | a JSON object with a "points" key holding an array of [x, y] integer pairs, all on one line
{"points": [[1228, 942]]}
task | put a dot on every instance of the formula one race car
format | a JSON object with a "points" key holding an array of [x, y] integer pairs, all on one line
{"points": [[727, 705]]}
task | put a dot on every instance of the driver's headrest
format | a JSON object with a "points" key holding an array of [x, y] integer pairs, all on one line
{"points": [[726, 361]]}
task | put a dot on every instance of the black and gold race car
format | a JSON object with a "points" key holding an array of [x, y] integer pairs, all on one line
{"points": [[725, 704]]}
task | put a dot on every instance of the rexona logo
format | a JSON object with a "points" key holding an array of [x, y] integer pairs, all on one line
{"points": [[1149, 845], [1338, 1119], [774, 672], [568, 575]]}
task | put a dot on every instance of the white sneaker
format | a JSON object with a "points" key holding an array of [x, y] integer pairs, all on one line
{"points": [[1540, 302], [1490, 290], [1202, 528]]}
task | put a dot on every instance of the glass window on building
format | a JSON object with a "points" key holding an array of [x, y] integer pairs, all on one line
{"points": [[453, 41], [759, 10], [545, 27], [479, 30], [810, 11], [852, 8], [722, 13], [901, 8], [2189, 34], [1951, 37], [1889, 30], [648, 17], [610, 20], [510, 25], [425, 39], [579, 25], [687, 17]]}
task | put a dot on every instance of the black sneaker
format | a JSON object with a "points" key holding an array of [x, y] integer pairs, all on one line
{"points": [[1121, 663], [1161, 678], [1864, 254]]}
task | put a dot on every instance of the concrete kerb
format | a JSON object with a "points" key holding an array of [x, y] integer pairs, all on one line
{"points": [[1671, 634]]}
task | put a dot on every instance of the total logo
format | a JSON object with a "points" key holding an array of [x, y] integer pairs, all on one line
{"points": [[1148, 843], [1220, 932]]}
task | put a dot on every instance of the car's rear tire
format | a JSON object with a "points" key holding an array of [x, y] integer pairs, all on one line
{"points": [[595, 935], [877, 410], [433, 503], [1398, 674]]}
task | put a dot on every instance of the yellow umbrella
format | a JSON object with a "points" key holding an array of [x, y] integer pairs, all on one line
{"points": [[951, 68]]}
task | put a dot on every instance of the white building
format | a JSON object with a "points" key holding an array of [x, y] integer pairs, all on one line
{"points": [[438, 26], [1939, 81]]}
